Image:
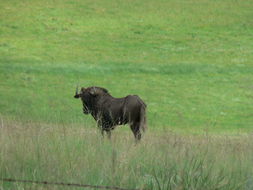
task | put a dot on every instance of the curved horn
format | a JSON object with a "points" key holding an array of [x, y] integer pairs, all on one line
{"points": [[76, 89], [77, 95]]}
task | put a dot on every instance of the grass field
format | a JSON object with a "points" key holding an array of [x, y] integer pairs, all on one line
{"points": [[191, 61], [162, 161]]}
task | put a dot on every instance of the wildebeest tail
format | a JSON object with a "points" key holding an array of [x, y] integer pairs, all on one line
{"points": [[143, 122]]}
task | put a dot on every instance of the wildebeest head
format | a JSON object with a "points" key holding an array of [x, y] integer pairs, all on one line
{"points": [[89, 97]]}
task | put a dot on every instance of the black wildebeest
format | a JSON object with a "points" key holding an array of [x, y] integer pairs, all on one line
{"points": [[110, 112]]}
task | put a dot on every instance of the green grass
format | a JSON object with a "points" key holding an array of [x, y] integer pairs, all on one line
{"points": [[66, 153], [191, 61]]}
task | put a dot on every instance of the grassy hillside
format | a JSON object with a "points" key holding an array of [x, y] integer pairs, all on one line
{"points": [[191, 61]]}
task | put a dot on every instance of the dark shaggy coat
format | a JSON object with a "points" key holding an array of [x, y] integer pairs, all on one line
{"points": [[110, 112]]}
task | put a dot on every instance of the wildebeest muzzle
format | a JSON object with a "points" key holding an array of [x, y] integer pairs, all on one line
{"points": [[85, 107]]}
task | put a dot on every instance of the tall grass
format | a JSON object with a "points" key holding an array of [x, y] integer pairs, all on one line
{"points": [[165, 160]]}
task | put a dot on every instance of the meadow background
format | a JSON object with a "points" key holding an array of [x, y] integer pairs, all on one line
{"points": [[191, 61]]}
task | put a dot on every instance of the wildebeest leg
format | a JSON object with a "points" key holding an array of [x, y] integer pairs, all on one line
{"points": [[108, 132], [102, 132], [107, 129], [135, 127], [100, 128]]}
